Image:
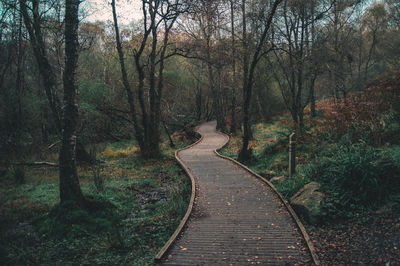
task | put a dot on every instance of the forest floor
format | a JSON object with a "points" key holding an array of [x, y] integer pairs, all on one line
{"points": [[149, 198], [368, 236], [373, 241]]}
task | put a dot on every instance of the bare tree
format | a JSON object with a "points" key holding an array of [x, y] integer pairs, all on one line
{"points": [[33, 21], [297, 64], [70, 189], [250, 61], [234, 124], [158, 16]]}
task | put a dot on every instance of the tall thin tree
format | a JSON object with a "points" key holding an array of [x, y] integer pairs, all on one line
{"points": [[70, 189], [250, 61]]}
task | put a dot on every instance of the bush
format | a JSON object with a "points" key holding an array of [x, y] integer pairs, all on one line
{"points": [[98, 178], [291, 185], [17, 173], [70, 221], [355, 176]]}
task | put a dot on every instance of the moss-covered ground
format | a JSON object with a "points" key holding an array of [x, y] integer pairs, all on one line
{"points": [[139, 205]]}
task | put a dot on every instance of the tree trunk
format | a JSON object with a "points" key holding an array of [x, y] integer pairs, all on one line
{"points": [[245, 153], [233, 129], [131, 101], [70, 189], [248, 75], [198, 102], [312, 101], [46, 71]]}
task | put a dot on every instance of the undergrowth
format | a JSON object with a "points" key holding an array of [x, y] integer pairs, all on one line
{"points": [[134, 207], [349, 148]]}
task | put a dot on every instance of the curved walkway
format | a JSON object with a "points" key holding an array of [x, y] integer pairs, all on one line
{"points": [[237, 219]]}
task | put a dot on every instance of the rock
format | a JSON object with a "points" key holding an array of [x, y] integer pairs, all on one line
{"points": [[307, 202], [277, 179]]}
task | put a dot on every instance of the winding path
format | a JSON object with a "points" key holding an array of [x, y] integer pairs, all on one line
{"points": [[237, 219]]}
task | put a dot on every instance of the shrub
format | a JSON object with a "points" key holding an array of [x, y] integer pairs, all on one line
{"points": [[355, 176], [68, 220], [17, 173], [372, 116], [291, 185]]}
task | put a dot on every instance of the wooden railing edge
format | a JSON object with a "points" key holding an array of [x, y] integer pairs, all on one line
{"points": [[185, 218]]}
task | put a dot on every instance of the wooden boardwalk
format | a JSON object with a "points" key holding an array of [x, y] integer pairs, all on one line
{"points": [[237, 219]]}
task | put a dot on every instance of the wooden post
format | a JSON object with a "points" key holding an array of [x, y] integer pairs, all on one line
{"points": [[292, 154]]}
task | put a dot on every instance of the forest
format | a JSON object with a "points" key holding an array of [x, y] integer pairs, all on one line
{"points": [[93, 111]]}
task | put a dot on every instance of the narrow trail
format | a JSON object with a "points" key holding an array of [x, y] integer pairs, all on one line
{"points": [[237, 218]]}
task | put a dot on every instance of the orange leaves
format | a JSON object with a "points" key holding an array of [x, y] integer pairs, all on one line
{"points": [[362, 115]]}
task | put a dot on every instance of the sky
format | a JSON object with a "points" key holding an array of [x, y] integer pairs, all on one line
{"points": [[127, 10]]}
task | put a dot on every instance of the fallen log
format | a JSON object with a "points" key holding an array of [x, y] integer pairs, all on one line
{"points": [[31, 164]]}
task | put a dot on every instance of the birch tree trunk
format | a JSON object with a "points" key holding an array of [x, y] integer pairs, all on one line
{"points": [[70, 189]]}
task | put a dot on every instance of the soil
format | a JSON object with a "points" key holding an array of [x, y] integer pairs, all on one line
{"points": [[372, 240]]}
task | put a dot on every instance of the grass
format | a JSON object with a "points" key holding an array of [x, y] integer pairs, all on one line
{"points": [[357, 179], [270, 153], [129, 233], [269, 145]]}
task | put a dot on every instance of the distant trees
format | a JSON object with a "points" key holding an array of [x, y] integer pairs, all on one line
{"points": [[206, 25], [296, 56]]}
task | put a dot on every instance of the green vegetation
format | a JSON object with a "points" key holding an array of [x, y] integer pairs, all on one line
{"points": [[350, 149], [134, 205]]}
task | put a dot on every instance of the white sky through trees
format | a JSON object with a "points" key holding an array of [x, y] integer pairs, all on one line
{"points": [[127, 10]]}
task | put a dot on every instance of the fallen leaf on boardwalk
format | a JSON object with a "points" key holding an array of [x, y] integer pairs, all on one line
{"points": [[184, 249], [228, 203], [259, 238], [292, 247]]}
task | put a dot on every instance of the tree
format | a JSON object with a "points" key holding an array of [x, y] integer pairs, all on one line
{"points": [[70, 189], [234, 123], [250, 61], [158, 15], [33, 20], [33, 24], [394, 8], [298, 65], [374, 25], [207, 43]]}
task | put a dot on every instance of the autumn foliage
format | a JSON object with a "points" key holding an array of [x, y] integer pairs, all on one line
{"points": [[367, 116]]}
